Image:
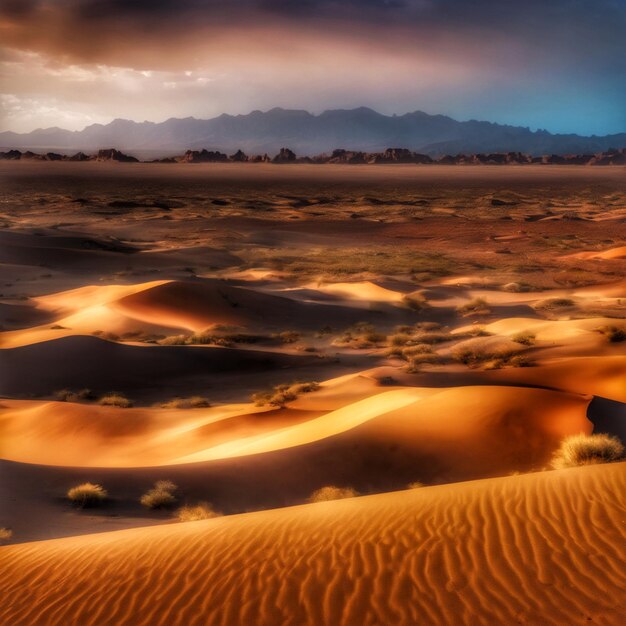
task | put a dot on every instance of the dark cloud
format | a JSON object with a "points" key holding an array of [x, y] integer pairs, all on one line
{"points": [[580, 28], [537, 60]]}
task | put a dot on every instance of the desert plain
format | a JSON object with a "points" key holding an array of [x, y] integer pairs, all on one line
{"points": [[421, 337]]}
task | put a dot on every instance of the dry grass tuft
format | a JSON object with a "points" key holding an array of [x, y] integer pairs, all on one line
{"points": [[524, 337], [283, 394], [195, 402], [415, 485], [161, 496], [66, 395], [5, 534], [587, 450], [202, 510], [477, 306], [331, 492], [87, 495], [115, 399]]}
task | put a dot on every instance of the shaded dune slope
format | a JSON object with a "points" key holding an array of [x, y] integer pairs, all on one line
{"points": [[542, 549], [77, 362]]}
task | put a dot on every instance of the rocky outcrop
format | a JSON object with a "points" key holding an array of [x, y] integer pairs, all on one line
{"points": [[285, 156], [203, 156], [79, 156], [238, 157], [612, 157], [339, 156], [111, 154]]}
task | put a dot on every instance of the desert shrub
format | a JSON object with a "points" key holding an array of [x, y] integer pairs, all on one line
{"points": [[556, 303], [283, 394], [360, 336], [287, 336], [415, 485], [195, 402], [330, 492], [477, 331], [614, 334], [399, 339], [582, 449], [161, 496], [475, 357], [415, 362], [477, 306], [115, 399], [519, 360], [87, 495], [414, 302], [432, 336], [5, 534], [524, 337], [174, 340], [202, 510], [67, 395], [419, 348], [428, 326]]}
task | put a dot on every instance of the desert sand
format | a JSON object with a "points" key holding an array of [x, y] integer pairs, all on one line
{"points": [[449, 325], [545, 549]]}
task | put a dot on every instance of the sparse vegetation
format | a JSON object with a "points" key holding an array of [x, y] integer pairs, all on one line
{"points": [[360, 336], [66, 395], [287, 336], [556, 303], [331, 492], [194, 402], [524, 337], [87, 495], [5, 534], [115, 399], [283, 394], [476, 357], [583, 449], [416, 361], [477, 306], [415, 485], [415, 302], [161, 496], [207, 338], [201, 511]]}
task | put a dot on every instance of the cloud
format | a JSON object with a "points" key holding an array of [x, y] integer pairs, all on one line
{"points": [[517, 62]]}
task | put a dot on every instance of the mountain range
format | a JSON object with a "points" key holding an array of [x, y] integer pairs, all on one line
{"points": [[308, 134]]}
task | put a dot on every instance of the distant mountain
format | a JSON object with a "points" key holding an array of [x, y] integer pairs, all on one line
{"points": [[306, 134]]}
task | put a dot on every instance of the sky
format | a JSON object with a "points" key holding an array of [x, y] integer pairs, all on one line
{"points": [[553, 64]]}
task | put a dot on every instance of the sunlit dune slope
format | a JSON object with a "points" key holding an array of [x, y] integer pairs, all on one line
{"points": [[603, 376], [610, 253], [464, 431], [171, 307], [544, 548]]}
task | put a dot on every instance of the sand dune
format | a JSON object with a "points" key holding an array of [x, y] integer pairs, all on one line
{"points": [[79, 362], [360, 291], [536, 549], [602, 376], [456, 433], [169, 307]]}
